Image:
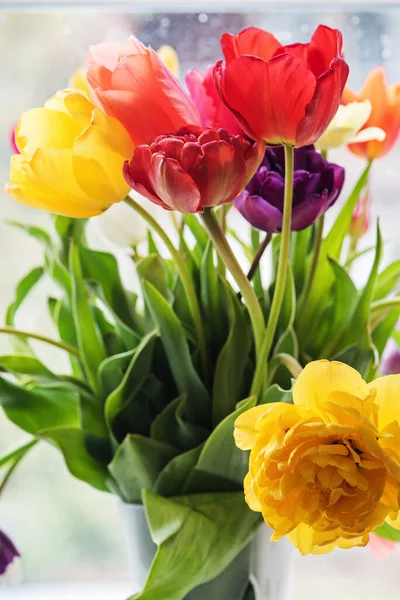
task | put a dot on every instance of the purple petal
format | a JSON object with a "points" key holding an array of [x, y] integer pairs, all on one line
{"points": [[8, 552], [306, 213], [259, 213]]}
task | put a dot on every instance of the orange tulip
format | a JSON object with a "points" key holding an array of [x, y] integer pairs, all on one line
{"points": [[131, 83], [385, 100]]}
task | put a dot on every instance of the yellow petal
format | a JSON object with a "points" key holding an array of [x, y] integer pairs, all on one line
{"points": [[245, 426], [250, 495], [322, 377], [387, 398], [78, 81], [46, 181], [99, 154], [44, 128], [170, 58]]}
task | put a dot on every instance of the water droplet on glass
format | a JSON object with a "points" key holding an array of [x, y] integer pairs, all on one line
{"points": [[304, 28], [384, 38], [386, 54], [165, 22], [203, 18], [355, 20]]}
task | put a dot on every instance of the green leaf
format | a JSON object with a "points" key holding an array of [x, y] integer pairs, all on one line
{"points": [[171, 480], [135, 376], [152, 268], [36, 409], [63, 318], [388, 532], [112, 370], [23, 288], [276, 394], [387, 281], [86, 455], [299, 250], [360, 318], [90, 343], [324, 277], [339, 314], [210, 292], [222, 526], [198, 231], [26, 364], [198, 407], [16, 453], [220, 460], [137, 464], [232, 360], [171, 427]]}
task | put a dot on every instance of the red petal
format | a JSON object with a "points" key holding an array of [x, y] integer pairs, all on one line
{"points": [[173, 185], [252, 40], [220, 175], [299, 51], [321, 110], [280, 90], [324, 47], [136, 173]]}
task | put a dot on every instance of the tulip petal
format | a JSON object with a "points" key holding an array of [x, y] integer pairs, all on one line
{"points": [[46, 181], [137, 175], [173, 185], [307, 212], [325, 45], [113, 144], [387, 398], [281, 89], [252, 41], [322, 377], [246, 426], [44, 128], [368, 134], [322, 108], [259, 212]]}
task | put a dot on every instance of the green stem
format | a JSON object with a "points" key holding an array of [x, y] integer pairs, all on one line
{"points": [[288, 361], [258, 255], [259, 375], [41, 338], [183, 273], [319, 230], [213, 227]]}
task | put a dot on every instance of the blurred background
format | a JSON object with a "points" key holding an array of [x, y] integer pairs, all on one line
{"points": [[69, 535]]}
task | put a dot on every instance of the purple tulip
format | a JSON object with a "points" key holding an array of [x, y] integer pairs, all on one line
{"points": [[317, 185], [8, 552]]}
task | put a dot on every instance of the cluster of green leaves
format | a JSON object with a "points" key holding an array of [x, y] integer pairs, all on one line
{"points": [[138, 415]]}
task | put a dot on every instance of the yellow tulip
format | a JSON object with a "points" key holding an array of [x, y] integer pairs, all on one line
{"points": [[345, 127], [326, 470], [71, 157], [170, 58]]}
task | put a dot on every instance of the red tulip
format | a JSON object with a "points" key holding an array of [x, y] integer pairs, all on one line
{"points": [[208, 102], [282, 94], [193, 168], [131, 83]]}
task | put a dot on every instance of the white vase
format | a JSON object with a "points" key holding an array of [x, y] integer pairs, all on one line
{"points": [[267, 564]]}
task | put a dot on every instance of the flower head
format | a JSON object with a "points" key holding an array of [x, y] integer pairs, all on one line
{"points": [[346, 124], [71, 157], [208, 102], [193, 168], [385, 114], [295, 90], [8, 553], [326, 470], [131, 83], [317, 185]]}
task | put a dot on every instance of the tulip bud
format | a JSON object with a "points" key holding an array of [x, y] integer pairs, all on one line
{"points": [[8, 553], [361, 219]]}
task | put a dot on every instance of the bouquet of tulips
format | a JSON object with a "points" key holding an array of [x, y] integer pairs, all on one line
{"points": [[214, 373]]}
